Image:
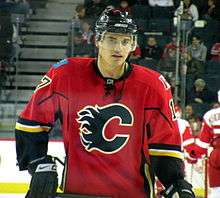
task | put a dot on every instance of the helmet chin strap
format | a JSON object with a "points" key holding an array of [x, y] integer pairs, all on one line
{"points": [[134, 44], [110, 85]]}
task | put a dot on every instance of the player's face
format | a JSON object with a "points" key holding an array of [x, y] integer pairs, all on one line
{"points": [[114, 48]]}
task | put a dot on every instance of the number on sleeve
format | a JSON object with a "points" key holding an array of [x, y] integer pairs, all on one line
{"points": [[171, 105], [44, 82], [164, 82]]}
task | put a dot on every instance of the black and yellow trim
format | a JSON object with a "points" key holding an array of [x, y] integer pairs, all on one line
{"points": [[31, 129], [32, 123], [166, 150], [167, 153], [165, 147], [31, 126]]}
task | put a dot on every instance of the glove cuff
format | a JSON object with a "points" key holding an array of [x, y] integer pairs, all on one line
{"points": [[182, 187], [46, 168], [33, 165]]}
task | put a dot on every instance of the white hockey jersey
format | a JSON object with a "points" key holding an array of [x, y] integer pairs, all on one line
{"points": [[185, 133], [210, 128]]}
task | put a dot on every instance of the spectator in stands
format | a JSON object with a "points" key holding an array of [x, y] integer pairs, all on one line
{"points": [[193, 120], [6, 6], [77, 47], [200, 93], [87, 33], [163, 3], [124, 6], [197, 52], [80, 11], [190, 11], [94, 8], [79, 15], [151, 50], [197, 49], [215, 52], [171, 45], [189, 113], [6, 32], [21, 7], [135, 55], [213, 10], [195, 125], [168, 62]]}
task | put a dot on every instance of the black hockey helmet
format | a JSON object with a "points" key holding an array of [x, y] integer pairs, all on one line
{"points": [[113, 20]]}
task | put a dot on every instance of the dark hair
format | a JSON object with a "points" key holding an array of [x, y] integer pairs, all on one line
{"points": [[79, 7], [198, 37], [77, 34]]}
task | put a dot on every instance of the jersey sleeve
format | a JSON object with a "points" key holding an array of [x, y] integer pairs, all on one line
{"points": [[164, 140], [163, 135], [206, 134], [187, 136], [215, 49], [36, 120]]}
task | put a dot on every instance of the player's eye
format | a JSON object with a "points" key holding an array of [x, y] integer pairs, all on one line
{"points": [[125, 42], [110, 39]]}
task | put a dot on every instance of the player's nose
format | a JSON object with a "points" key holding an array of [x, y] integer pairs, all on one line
{"points": [[117, 46]]}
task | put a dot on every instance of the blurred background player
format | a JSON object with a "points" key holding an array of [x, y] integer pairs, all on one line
{"points": [[118, 123], [184, 129], [210, 137]]}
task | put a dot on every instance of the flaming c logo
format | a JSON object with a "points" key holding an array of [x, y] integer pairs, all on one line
{"points": [[93, 121]]}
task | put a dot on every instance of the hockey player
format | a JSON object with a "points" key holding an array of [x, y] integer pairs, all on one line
{"points": [[187, 140], [184, 129], [118, 123], [209, 136]]}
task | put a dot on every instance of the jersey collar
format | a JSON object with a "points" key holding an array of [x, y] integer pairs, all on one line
{"points": [[123, 77]]}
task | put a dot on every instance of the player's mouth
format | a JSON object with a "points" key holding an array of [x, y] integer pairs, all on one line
{"points": [[116, 56]]}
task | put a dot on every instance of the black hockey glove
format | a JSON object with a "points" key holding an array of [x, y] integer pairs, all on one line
{"points": [[44, 181], [181, 187]]}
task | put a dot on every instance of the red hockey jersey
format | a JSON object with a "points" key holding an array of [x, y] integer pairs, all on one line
{"points": [[110, 127]]}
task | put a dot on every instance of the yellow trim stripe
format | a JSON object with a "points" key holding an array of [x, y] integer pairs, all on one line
{"points": [[32, 129], [15, 188], [176, 154]]}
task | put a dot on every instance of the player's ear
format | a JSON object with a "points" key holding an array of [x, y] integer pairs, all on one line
{"points": [[98, 43]]}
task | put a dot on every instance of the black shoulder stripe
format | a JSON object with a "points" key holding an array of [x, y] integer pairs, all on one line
{"points": [[54, 93], [32, 123], [163, 115], [165, 147]]}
